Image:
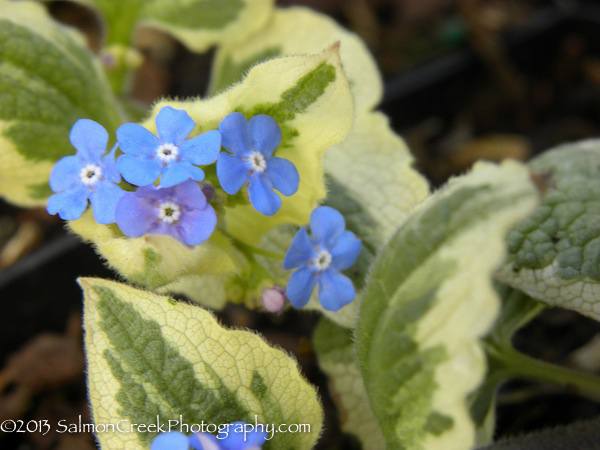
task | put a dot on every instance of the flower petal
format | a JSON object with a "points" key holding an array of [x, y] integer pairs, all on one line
{"points": [[173, 125], [90, 139], [204, 441], [65, 173], [170, 440], [136, 140], [300, 287], [240, 439], [262, 196], [197, 225], [300, 251], [264, 133], [169, 229], [203, 149], [109, 166], [326, 224], [138, 171], [335, 290], [234, 134], [345, 250], [70, 204], [135, 214], [231, 172], [189, 194], [179, 172], [104, 199], [283, 175]]}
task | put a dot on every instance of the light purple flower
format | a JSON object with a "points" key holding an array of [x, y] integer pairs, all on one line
{"points": [[252, 144], [180, 211], [87, 175], [169, 156]]}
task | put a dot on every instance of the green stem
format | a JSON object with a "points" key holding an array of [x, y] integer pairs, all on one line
{"points": [[249, 252], [246, 248], [520, 365]]}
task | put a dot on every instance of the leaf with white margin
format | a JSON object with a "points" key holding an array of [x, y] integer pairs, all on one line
{"points": [[554, 255], [150, 357], [198, 24], [337, 358], [373, 184], [428, 301], [298, 30], [155, 261], [48, 80], [310, 99]]}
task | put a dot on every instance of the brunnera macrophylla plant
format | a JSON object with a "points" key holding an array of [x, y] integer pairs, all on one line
{"points": [[284, 189]]}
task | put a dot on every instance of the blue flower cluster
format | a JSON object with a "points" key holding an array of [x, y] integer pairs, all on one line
{"points": [[165, 168], [170, 200], [236, 439]]}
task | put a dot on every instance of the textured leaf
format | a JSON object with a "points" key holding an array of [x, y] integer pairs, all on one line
{"points": [[149, 356], [429, 299], [338, 360], [199, 24], [298, 30], [310, 99], [205, 290], [48, 80], [155, 261], [554, 255]]}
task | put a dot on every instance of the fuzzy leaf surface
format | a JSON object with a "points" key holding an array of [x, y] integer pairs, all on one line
{"points": [[428, 301], [48, 80], [554, 254], [149, 356]]}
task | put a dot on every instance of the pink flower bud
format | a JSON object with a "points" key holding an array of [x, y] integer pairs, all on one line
{"points": [[273, 299]]}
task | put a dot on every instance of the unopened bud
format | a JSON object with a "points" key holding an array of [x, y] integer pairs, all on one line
{"points": [[208, 190], [273, 299]]}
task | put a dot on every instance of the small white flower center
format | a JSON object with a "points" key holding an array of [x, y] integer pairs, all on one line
{"points": [[90, 174], [322, 260], [257, 161], [167, 153], [169, 212]]}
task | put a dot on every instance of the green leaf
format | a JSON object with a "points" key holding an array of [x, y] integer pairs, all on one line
{"points": [[428, 301], [299, 30], [337, 358], [149, 356], [199, 24], [155, 261], [554, 255], [48, 80], [205, 290]]}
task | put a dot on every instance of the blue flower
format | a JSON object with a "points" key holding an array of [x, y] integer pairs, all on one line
{"points": [[180, 211], [252, 144], [170, 155], [171, 440], [319, 260], [86, 175], [236, 439]]}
